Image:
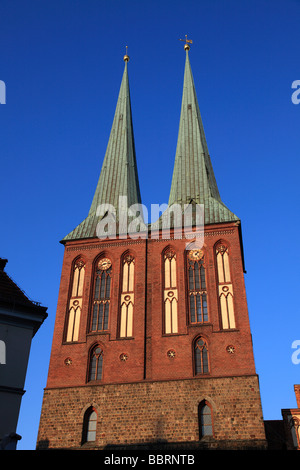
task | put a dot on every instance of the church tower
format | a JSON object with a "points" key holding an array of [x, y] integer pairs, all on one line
{"points": [[152, 343]]}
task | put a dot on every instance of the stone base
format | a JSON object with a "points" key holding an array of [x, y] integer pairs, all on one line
{"points": [[148, 415]]}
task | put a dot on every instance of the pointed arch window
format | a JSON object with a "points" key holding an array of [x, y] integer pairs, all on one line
{"points": [[89, 425], [170, 292], [197, 291], [95, 364], [127, 297], [205, 420], [75, 303], [225, 289], [201, 356], [101, 296]]}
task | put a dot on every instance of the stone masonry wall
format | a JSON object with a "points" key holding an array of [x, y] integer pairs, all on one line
{"points": [[145, 412]]}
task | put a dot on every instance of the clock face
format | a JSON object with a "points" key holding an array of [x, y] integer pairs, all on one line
{"points": [[195, 255], [104, 264]]}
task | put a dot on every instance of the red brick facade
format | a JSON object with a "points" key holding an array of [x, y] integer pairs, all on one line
{"points": [[297, 393], [152, 396]]}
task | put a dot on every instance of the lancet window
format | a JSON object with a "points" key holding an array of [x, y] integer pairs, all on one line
{"points": [[75, 302], [225, 288], [170, 294], [205, 419], [101, 296], [127, 296], [197, 291], [201, 356], [89, 425], [95, 364]]}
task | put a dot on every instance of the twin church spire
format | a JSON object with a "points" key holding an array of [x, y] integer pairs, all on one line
{"points": [[119, 175], [193, 177]]}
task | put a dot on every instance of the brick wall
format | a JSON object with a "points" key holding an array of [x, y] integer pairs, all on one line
{"points": [[146, 412], [152, 396], [147, 349]]}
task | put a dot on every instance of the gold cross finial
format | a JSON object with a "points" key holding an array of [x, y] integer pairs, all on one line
{"points": [[126, 57], [186, 46]]}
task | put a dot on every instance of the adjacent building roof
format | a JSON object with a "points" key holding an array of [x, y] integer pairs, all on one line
{"points": [[14, 302], [119, 175], [193, 176]]}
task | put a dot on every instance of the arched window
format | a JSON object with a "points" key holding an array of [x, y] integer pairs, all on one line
{"points": [[89, 425], [205, 420], [201, 356], [75, 303], [96, 364], [127, 297], [197, 293], [101, 296], [225, 286], [170, 292]]}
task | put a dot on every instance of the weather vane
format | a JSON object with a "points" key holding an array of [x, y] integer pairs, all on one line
{"points": [[186, 46], [126, 57]]}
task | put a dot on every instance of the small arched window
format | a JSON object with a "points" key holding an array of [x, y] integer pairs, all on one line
{"points": [[96, 364], [75, 303], [201, 357], [89, 425], [205, 420], [101, 296]]}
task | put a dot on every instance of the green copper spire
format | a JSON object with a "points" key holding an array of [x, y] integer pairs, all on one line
{"points": [[193, 176], [119, 175]]}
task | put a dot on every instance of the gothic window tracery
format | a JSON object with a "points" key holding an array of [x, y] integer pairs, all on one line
{"points": [[75, 302], [201, 356], [225, 288], [197, 291], [95, 364], [127, 296], [101, 297], [170, 294]]}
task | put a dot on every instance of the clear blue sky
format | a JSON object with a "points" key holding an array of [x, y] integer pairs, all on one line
{"points": [[62, 64]]}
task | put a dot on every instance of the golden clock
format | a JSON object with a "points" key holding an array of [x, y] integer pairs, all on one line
{"points": [[104, 264], [195, 255]]}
